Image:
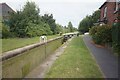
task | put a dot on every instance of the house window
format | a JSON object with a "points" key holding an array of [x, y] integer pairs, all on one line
{"points": [[8, 12], [105, 12]]}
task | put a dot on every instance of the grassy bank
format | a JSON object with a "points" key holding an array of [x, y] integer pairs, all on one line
{"points": [[13, 43], [24, 63], [75, 62]]}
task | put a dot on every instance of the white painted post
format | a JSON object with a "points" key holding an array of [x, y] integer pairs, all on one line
{"points": [[43, 39]]}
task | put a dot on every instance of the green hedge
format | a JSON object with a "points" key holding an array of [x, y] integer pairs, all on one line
{"points": [[101, 34], [107, 34], [116, 37], [38, 29], [6, 31]]}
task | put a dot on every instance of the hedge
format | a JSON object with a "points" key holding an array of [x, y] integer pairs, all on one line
{"points": [[101, 34], [116, 37], [107, 34]]}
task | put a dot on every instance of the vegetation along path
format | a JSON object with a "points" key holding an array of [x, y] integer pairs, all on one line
{"points": [[106, 60], [75, 62]]}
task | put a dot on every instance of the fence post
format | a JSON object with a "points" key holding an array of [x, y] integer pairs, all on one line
{"points": [[45, 50]]}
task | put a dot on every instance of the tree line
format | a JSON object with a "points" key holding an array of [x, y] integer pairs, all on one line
{"points": [[28, 23], [89, 21]]}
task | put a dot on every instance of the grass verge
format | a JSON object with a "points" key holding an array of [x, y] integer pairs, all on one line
{"points": [[13, 43], [75, 62]]}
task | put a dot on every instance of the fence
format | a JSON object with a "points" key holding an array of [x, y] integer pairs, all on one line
{"points": [[27, 59]]}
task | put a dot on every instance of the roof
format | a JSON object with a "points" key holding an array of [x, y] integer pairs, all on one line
{"points": [[103, 5], [107, 2], [7, 6]]}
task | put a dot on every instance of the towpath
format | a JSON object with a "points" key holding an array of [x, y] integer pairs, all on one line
{"points": [[107, 62]]}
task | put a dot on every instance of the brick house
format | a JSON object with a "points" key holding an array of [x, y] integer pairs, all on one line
{"points": [[110, 11], [5, 10]]}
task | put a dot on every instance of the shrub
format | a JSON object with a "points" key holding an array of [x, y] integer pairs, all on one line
{"points": [[47, 29], [116, 48], [33, 30], [107, 34], [5, 31], [116, 37], [93, 30], [37, 29], [101, 34]]}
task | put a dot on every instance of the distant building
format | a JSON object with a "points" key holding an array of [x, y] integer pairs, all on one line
{"points": [[5, 10], [110, 11]]}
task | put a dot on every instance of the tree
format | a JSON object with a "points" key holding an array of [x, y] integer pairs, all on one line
{"points": [[31, 12], [49, 20], [70, 26], [65, 29], [27, 22], [18, 24], [88, 21], [85, 24], [59, 28], [96, 16]]}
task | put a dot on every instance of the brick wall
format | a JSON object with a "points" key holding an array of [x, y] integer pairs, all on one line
{"points": [[111, 16]]}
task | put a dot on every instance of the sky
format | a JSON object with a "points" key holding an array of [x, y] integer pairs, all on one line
{"points": [[63, 10]]}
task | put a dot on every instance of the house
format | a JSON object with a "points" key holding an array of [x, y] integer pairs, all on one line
{"points": [[110, 11], [5, 11]]}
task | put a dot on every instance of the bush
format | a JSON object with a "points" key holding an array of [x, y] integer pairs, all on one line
{"points": [[93, 30], [107, 34], [33, 30], [47, 29], [5, 31], [116, 37], [101, 34], [116, 48]]}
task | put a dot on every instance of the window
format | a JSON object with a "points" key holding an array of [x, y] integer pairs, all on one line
{"points": [[8, 12], [105, 12]]}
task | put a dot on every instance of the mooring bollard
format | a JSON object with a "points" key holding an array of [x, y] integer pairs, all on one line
{"points": [[44, 39]]}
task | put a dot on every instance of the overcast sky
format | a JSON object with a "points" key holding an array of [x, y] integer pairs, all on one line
{"points": [[62, 10]]}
